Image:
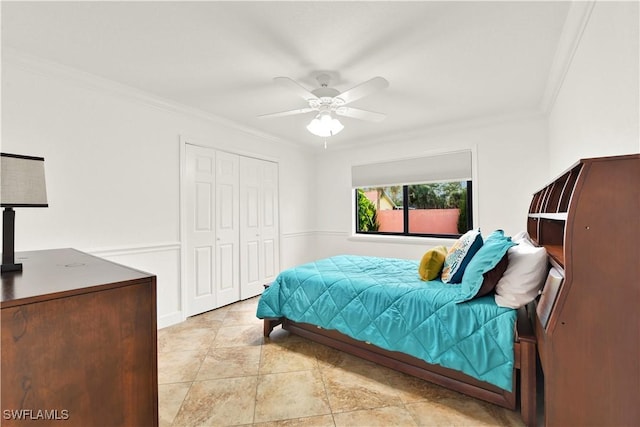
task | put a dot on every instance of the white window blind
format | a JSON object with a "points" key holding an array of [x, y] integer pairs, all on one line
{"points": [[455, 166]]}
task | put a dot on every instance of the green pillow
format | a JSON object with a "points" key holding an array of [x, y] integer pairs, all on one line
{"points": [[493, 250], [432, 262]]}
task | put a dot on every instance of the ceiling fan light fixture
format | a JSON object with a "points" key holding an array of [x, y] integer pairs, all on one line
{"points": [[327, 101], [325, 125]]}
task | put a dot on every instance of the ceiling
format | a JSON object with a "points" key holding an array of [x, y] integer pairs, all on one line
{"points": [[446, 62]]}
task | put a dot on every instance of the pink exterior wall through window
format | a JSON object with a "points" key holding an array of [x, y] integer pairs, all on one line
{"points": [[428, 221]]}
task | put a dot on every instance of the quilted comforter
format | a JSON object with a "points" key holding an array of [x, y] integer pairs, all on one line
{"points": [[384, 302]]}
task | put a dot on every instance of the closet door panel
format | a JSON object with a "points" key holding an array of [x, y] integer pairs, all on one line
{"points": [[259, 229], [200, 229], [252, 262], [203, 270], [250, 218], [226, 220], [203, 205], [225, 260], [227, 228], [270, 259], [270, 221]]}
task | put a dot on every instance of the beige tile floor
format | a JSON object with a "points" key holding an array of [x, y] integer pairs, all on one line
{"points": [[216, 369]]}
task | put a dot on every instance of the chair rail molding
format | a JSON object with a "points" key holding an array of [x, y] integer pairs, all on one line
{"points": [[160, 259]]}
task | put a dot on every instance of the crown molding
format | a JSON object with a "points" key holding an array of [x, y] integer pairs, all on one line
{"points": [[446, 128], [46, 68], [575, 24]]}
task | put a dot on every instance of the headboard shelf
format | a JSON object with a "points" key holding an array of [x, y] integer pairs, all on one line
{"points": [[557, 216], [586, 320], [556, 252]]}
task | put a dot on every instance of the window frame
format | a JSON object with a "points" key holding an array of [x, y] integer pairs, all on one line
{"points": [[405, 209]]}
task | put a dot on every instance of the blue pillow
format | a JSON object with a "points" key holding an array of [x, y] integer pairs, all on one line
{"points": [[488, 256], [459, 256]]}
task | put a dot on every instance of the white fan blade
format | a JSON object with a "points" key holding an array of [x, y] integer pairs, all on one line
{"points": [[357, 113], [287, 113], [294, 86], [363, 89]]}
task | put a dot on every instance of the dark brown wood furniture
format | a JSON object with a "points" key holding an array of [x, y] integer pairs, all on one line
{"points": [[525, 363], [78, 341], [588, 325]]}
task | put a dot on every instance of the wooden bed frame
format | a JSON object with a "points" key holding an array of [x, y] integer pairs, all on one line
{"points": [[525, 363]]}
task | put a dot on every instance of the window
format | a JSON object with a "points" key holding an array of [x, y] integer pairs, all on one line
{"points": [[433, 198]]}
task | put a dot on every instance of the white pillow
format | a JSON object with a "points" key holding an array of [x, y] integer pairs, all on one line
{"points": [[525, 274], [523, 235]]}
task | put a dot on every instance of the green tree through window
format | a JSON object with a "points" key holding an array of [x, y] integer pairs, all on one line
{"points": [[367, 218]]}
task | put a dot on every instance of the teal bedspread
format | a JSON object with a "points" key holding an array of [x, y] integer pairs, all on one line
{"points": [[383, 301]]}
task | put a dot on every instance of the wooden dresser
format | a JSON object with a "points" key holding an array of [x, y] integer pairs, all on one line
{"points": [[78, 342], [587, 319]]}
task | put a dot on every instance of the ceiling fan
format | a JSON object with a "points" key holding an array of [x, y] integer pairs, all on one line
{"points": [[328, 101]]}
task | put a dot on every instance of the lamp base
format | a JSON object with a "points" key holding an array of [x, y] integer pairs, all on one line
{"points": [[8, 237], [11, 267]]}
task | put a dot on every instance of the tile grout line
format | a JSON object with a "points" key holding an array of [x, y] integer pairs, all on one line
{"points": [[182, 403], [387, 378], [191, 383], [259, 376], [208, 349], [324, 386]]}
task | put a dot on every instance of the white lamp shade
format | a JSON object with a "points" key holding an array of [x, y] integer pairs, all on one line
{"points": [[23, 183], [324, 125]]}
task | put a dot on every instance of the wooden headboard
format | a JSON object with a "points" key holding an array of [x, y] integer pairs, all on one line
{"points": [[587, 321]]}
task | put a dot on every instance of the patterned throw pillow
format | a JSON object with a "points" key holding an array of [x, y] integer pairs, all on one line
{"points": [[432, 263], [459, 256]]}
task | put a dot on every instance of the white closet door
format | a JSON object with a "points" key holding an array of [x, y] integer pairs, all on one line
{"points": [[270, 219], [258, 225], [250, 227], [227, 281], [200, 229]]}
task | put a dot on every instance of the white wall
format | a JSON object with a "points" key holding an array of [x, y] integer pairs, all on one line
{"points": [[510, 161], [596, 112], [113, 170]]}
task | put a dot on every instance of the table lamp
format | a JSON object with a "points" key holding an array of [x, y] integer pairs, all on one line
{"points": [[22, 186]]}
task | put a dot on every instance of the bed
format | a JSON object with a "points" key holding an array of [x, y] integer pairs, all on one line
{"points": [[379, 309]]}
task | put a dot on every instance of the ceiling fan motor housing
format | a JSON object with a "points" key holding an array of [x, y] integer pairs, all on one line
{"points": [[327, 96]]}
